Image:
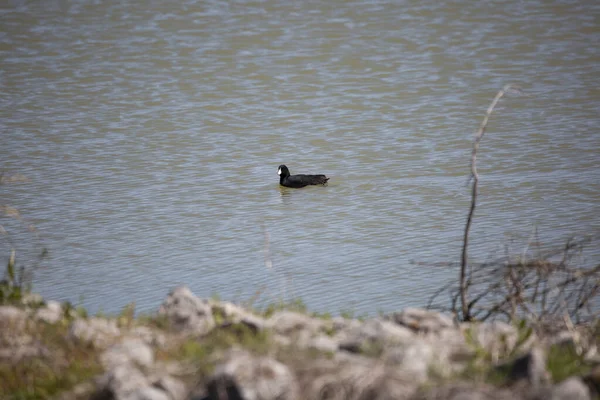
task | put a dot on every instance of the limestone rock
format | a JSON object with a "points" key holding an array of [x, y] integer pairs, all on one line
{"points": [[171, 386], [414, 360], [21, 353], [446, 353], [338, 324], [496, 337], [289, 322], [236, 314], [120, 382], [12, 317], [149, 336], [98, 331], [129, 351], [322, 343], [422, 320], [466, 391], [374, 332], [351, 376], [51, 313], [187, 313], [147, 393], [572, 388], [246, 377]]}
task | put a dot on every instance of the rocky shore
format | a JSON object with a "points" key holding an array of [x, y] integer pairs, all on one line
{"points": [[207, 350]]}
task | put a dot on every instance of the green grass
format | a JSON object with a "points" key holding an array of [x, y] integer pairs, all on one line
{"points": [[200, 354], [12, 288], [563, 361], [296, 305], [42, 377]]}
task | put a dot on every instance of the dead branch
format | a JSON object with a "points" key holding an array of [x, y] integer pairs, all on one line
{"points": [[463, 266]]}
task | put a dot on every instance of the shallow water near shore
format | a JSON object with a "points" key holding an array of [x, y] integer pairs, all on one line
{"points": [[151, 136]]}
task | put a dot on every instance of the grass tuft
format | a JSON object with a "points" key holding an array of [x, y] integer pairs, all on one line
{"points": [[59, 364]]}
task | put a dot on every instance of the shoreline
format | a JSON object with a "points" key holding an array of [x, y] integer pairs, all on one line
{"points": [[206, 349]]}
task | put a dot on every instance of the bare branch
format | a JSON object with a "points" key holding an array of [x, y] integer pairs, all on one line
{"points": [[463, 266]]}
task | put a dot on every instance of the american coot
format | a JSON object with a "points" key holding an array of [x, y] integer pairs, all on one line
{"points": [[298, 181]]}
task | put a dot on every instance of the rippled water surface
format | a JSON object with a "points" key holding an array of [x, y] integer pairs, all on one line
{"points": [[151, 133]]}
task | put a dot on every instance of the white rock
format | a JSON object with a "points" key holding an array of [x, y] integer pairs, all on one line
{"points": [[173, 387], [253, 378], [121, 381], [129, 351], [187, 313], [149, 336], [571, 389], [236, 314], [351, 376], [21, 353], [51, 313], [323, 343], [12, 317], [414, 359], [422, 320], [498, 338], [373, 331], [148, 393], [289, 322], [98, 331]]}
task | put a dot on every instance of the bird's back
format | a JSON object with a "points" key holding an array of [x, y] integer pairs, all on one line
{"points": [[302, 180]]}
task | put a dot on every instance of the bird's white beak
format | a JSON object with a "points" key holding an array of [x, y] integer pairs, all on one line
{"points": [[279, 171]]}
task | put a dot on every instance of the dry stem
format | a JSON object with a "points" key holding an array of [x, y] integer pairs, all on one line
{"points": [[466, 314]]}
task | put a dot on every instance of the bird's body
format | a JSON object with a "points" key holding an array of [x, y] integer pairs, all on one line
{"points": [[299, 181]]}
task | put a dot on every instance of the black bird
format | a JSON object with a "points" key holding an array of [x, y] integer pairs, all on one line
{"points": [[298, 181]]}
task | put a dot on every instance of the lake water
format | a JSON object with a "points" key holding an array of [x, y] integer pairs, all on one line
{"points": [[151, 133]]}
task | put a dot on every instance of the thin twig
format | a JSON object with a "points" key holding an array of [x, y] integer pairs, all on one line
{"points": [[463, 266]]}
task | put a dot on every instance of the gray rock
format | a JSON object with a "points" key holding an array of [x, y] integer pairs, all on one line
{"points": [[445, 352], [322, 343], [373, 332], [187, 313], [129, 351], [173, 387], [413, 360], [289, 322], [339, 324], [497, 337], [98, 331], [149, 336], [282, 340], [306, 340], [422, 320], [21, 353], [51, 313], [147, 393], [82, 390], [300, 330], [570, 389], [244, 376], [120, 382], [12, 317], [351, 376], [386, 331], [236, 314], [465, 391]]}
